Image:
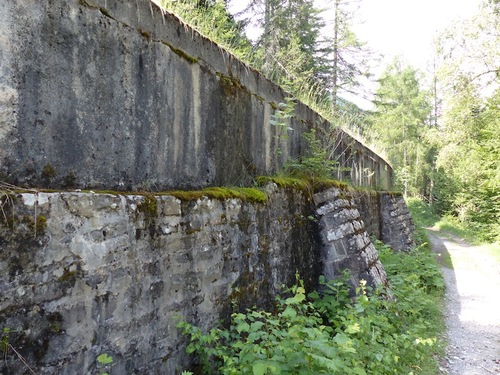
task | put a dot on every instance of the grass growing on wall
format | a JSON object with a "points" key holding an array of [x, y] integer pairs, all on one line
{"points": [[243, 193], [329, 332], [308, 185]]}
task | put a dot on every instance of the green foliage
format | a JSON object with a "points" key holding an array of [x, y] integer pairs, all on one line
{"points": [[421, 212], [106, 361], [348, 58], [288, 47], [204, 15], [316, 163], [470, 158], [290, 52], [294, 340], [399, 126], [281, 119], [4, 343], [423, 216], [469, 138], [419, 265], [328, 332]]}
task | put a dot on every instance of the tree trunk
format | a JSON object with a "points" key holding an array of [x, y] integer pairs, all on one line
{"points": [[335, 57]]}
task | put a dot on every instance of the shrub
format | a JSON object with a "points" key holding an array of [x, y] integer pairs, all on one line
{"points": [[328, 332]]}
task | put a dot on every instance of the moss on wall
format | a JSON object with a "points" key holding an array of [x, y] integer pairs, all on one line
{"points": [[230, 85], [221, 193], [190, 59]]}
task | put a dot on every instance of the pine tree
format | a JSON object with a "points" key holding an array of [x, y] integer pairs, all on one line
{"points": [[287, 49]]}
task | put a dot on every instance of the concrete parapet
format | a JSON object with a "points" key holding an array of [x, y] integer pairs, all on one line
{"points": [[116, 94]]}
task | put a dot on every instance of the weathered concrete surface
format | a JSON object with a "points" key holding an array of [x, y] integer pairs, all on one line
{"points": [[116, 94], [83, 274]]}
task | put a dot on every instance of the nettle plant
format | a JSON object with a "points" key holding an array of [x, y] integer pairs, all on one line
{"points": [[327, 332]]}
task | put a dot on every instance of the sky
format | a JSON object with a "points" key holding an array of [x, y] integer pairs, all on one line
{"points": [[407, 27], [403, 28]]}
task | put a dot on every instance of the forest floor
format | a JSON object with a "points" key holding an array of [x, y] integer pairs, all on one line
{"points": [[472, 277]]}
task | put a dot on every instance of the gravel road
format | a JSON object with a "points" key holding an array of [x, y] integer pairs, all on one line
{"points": [[472, 307]]}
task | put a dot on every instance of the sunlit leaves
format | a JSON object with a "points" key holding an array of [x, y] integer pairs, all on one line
{"points": [[330, 333], [469, 134]]}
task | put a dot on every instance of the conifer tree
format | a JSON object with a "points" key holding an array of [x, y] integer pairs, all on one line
{"points": [[349, 57], [400, 123]]}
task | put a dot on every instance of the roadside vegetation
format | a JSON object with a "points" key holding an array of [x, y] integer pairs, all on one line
{"points": [[394, 331], [425, 216]]}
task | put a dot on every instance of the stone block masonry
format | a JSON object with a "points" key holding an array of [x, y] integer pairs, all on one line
{"points": [[345, 243], [116, 94], [112, 273], [83, 274], [397, 225]]}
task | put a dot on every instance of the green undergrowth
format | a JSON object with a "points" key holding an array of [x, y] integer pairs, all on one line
{"points": [[421, 212], [453, 226], [424, 216], [327, 332]]}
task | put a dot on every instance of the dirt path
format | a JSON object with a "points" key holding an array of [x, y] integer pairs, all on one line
{"points": [[472, 306]]}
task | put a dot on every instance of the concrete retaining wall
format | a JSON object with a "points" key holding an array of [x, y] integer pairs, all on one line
{"points": [[116, 94]]}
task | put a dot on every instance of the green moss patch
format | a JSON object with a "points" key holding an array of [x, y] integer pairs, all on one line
{"points": [[145, 34], [48, 171], [244, 194], [230, 85], [190, 59]]}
